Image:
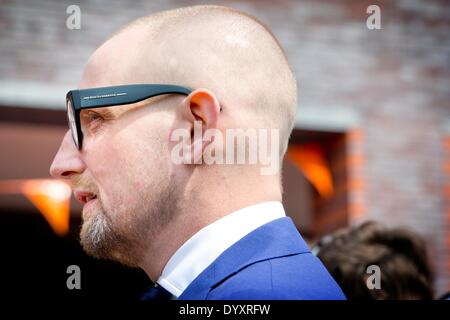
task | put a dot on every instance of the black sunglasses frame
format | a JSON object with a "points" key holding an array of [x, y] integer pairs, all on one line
{"points": [[77, 100]]}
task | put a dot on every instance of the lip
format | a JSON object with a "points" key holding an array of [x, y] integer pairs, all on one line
{"points": [[87, 206], [88, 209], [84, 197]]}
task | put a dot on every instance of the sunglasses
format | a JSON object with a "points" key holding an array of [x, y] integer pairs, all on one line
{"points": [[77, 100]]}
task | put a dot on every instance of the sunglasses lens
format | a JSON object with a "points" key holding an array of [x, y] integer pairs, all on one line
{"points": [[72, 123]]}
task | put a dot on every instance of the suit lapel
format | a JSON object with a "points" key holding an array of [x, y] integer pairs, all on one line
{"points": [[275, 239]]}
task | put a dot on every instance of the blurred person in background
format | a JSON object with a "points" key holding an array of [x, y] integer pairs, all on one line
{"points": [[399, 253]]}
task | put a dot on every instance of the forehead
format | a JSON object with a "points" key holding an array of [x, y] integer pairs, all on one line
{"points": [[120, 60]]}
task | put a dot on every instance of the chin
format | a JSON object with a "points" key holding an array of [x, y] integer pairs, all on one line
{"points": [[100, 240], [96, 235]]}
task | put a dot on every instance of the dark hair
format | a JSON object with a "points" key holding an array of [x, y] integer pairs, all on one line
{"points": [[399, 253]]}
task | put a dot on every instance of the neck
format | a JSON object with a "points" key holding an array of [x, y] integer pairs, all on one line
{"points": [[201, 206]]}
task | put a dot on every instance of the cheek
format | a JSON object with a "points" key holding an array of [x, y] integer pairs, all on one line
{"points": [[109, 168], [128, 171]]}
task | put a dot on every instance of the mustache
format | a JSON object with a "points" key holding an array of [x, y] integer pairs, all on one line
{"points": [[83, 183]]}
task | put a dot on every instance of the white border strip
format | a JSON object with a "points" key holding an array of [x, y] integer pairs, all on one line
{"points": [[326, 118], [32, 95]]}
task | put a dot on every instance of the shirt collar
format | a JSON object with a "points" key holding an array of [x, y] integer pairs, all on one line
{"points": [[196, 254]]}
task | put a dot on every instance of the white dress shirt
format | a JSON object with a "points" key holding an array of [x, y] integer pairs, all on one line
{"points": [[196, 254]]}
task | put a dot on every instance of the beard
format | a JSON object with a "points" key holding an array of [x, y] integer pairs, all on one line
{"points": [[100, 240], [104, 238]]}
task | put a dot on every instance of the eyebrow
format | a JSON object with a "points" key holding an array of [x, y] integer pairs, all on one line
{"points": [[104, 112]]}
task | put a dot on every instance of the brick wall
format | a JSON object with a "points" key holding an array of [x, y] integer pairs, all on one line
{"points": [[388, 88]]}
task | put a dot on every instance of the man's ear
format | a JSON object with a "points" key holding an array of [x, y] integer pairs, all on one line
{"points": [[204, 109], [204, 106]]}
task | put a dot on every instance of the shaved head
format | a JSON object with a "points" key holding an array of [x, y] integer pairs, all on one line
{"points": [[218, 48], [136, 194]]}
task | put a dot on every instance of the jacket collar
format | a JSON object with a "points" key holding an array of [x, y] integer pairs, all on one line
{"points": [[275, 239]]}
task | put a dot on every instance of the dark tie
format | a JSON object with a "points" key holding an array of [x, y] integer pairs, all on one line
{"points": [[157, 293]]}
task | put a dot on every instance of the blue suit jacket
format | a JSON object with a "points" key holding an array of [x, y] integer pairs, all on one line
{"points": [[272, 262]]}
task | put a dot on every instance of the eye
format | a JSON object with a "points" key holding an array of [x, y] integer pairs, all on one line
{"points": [[91, 119], [92, 115]]}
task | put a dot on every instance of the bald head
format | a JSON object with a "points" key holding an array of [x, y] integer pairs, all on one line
{"points": [[218, 48], [136, 192]]}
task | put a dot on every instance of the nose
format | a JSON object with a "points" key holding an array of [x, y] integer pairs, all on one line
{"points": [[67, 160]]}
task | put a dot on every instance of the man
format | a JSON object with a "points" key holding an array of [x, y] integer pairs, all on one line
{"points": [[199, 230]]}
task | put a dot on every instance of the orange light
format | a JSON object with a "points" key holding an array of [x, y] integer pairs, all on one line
{"points": [[51, 197], [355, 135], [357, 184], [357, 210], [446, 143], [447, 192], [447, 167], [310, 160]]}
